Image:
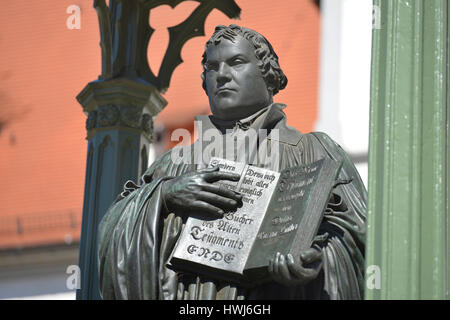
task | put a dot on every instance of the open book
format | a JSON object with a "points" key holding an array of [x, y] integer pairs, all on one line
{"points": [[280, 212]]}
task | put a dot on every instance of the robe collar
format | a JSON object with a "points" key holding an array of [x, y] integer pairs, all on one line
{"points": [[268, 118]]}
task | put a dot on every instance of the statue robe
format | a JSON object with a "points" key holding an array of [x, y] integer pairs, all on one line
{"points": [[136, 236]]}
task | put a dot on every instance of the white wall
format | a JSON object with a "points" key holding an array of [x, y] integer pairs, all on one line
{"points": [[344, 92]]}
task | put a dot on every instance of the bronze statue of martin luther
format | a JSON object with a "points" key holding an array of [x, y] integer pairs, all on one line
{"points": [[138, 233]]}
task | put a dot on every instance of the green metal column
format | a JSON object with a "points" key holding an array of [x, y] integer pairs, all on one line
{"points": [[408, 219]]}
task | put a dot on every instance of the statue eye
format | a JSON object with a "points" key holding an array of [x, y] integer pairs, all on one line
{"points": [[237, 61]]}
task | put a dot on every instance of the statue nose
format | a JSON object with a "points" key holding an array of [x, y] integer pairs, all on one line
{"points": [[223, 74]]}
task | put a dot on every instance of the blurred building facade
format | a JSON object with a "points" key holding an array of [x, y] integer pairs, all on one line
{"points": [[44, 64]]}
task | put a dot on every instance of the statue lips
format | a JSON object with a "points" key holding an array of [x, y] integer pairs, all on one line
{"points": [[225, 91]]}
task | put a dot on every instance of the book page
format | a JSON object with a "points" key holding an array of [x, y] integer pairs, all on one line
{"points": [[224, 244], [294, 214]]}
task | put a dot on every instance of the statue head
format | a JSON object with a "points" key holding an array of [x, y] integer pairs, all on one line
{"points": [[241, 72]]}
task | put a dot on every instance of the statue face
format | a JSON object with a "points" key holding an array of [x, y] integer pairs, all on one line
{"points": [[234, 83]]}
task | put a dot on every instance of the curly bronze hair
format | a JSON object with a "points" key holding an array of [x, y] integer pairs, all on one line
{"points": [[268, 59]]}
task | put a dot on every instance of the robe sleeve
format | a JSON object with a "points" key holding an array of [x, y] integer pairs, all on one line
{"points": [[129, 237], [344, 221]]}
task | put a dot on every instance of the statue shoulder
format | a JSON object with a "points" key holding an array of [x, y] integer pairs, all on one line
{"points": [[286, 134], [321, 140], [325, 140], [322, 145]]}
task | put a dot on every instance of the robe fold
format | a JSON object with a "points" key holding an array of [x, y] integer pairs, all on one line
{"points": [[137, 236]]}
